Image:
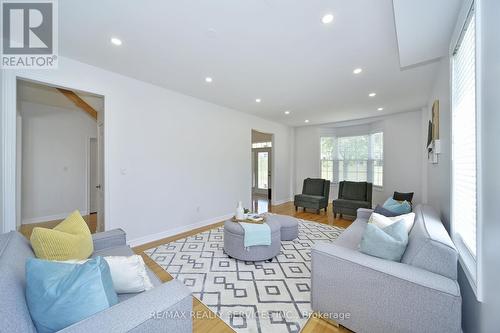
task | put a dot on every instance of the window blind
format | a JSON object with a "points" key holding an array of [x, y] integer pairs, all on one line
{"points": [[353, 158], [464, 183]]}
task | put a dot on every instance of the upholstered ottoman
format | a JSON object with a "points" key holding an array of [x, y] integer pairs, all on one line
{"points": [[289, 225], [233, 243]]}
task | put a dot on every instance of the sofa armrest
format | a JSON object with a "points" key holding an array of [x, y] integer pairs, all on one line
{"points": [[166, 308], [108, 239], [382, 295], [364, 213]]}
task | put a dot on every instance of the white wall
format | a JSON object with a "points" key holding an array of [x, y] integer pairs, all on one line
{"points": [[55, 144], [403, 152], [439, 175], [171, 161]]}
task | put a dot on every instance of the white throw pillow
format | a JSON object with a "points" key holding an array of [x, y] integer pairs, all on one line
{"points": [[382, 221], [129, 274]]}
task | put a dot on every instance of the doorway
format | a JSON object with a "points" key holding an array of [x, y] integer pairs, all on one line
{"points": [[262, 153], [60, 147]]}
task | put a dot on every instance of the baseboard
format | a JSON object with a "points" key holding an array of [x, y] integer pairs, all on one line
{"points": [[280, 202], [176, 231], [48, 218]]}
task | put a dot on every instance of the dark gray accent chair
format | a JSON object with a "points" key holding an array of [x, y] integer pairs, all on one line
{"points": [[315, 192], [352, 195]]}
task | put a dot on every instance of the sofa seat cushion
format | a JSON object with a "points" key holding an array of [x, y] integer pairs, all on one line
{"points": [[354, 191], [354, 204], [125, 250], [309, 198], [69, 240]]}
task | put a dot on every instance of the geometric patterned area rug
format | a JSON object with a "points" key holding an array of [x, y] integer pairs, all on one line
{"points": [[266, 296]]}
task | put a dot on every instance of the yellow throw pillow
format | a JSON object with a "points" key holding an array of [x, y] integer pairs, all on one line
{"points": [[69, 240]]}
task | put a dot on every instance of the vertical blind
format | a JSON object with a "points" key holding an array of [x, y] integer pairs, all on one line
{"points": [[464, 137]]}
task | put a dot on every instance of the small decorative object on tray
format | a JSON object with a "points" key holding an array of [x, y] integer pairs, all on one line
{"points": [[250, 218]]}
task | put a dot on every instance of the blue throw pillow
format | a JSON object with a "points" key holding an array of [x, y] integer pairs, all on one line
{"points": [[397, 207], [382, 211], [387, 243], [60, 294]]}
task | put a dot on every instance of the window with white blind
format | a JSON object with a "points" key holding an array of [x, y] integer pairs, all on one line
{"points": [[354, 158], [464, 143]]}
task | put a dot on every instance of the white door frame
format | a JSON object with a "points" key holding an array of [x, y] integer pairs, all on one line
{"points": [[271, 167], [256, 152], [8, 140]]}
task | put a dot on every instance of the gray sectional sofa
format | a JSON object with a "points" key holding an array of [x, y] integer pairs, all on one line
{"points": [[368, 294], [165, 308]]}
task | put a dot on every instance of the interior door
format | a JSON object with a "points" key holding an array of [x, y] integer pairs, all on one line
{"points": [[100, 177]]}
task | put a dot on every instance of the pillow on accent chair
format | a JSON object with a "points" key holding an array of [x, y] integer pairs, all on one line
{"points": [[382, 221], [70, 239], [397, 207], [387, 243], [382, 211], [61, 294]]}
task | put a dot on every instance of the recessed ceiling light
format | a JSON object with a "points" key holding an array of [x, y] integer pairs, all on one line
{"points": [[372, 94], [327, 19], [380, 109], [306, 121], [258, 100], [116, 41], [208, 79], [357, 70], [287, 112]]}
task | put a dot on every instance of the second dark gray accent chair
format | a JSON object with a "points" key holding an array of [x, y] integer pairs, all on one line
{"points": [[352, 195], [314, 195]]}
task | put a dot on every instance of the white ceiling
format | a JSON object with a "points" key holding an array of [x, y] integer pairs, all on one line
{"points": [[276, 50], [424, 29]]}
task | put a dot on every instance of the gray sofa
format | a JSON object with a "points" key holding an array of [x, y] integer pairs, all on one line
{"points": [[352, 195], [315, 192], [150, 311], [418, 294]]}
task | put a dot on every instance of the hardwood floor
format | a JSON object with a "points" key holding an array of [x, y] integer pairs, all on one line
{"points": [[205, 320], [26, 229]]}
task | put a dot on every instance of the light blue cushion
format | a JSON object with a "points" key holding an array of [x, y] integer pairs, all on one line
{"points": [[387, 243], [397, 207], [60, 294]]}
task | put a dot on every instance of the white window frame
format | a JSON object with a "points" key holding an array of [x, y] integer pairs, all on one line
{"points": [[471, 265], [370, 160]]}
